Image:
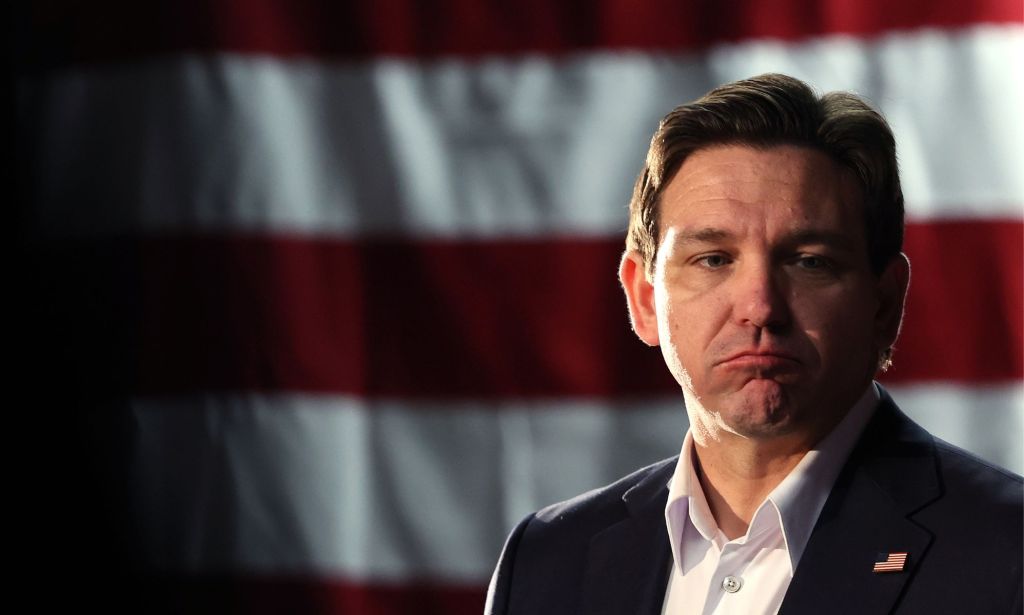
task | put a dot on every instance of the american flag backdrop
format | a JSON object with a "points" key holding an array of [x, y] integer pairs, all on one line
{"points": [[321, 296]]}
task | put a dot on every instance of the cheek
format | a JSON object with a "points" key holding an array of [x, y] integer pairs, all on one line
{"points": [[672, 343], [840, 329], [687, 328]]}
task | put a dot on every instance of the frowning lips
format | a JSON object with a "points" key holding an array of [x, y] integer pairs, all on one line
{"points": [[760, 359]]}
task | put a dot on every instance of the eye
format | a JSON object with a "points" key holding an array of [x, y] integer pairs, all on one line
{"points": [[813, 262], [713, 261]]}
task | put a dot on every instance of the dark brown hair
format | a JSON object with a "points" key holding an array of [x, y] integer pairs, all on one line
{"points": [[771, 110]]}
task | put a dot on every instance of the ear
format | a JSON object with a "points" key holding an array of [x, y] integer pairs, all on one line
{"points": [[892, 296], [639, 297]]}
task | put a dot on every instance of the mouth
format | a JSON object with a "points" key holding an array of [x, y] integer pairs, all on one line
{"points": [[760, 360]]}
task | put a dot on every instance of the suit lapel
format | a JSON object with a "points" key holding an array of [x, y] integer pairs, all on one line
{"points": [[628, 563], [890, 474]]}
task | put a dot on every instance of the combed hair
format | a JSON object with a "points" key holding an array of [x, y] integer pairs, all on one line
{"points": [[771, 110]]}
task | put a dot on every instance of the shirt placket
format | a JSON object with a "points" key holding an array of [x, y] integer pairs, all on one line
{"points": [[726, 587]]}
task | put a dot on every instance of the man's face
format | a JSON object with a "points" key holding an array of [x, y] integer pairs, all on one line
{"points": [[763, 300]]}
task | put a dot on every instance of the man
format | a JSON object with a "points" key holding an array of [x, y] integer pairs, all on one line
{"points": [[764, 258]]}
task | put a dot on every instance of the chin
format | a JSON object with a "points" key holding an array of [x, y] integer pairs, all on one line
{"points": [[757, 427], [762, 409]]}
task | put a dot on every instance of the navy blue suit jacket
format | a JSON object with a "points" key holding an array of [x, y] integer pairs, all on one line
{"points": [[959, 518]]}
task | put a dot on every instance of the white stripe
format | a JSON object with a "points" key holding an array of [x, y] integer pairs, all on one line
{"points": [[332, 485], [525, 146], [953, 101], [986, 420], [397, 491]]}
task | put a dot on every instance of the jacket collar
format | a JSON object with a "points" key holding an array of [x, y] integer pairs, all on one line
{"points": [[890, 474], [628, 563]]}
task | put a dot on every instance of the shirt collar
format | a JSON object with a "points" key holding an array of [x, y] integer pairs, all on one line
{"points": [[796, 502]]}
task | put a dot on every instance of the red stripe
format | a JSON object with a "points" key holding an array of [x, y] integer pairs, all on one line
{"points": [[454, 319], [62, 32], [255, 595], [966, 303]]}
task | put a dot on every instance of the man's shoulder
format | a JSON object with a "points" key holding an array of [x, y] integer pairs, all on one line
{"points": [[564, 527], [605, 505], [978, 484], [961, 473], [892, 436], [546, 555], [976, 506], [974, 521]]}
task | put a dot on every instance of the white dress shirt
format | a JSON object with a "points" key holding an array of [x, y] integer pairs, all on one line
{"points": [[750, 574]]}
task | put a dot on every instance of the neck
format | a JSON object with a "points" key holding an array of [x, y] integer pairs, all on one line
{"points": [[736, 477], [737, 472]]}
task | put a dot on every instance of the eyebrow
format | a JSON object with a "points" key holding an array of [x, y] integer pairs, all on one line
{"points": [[703, 235], [833, 239]]}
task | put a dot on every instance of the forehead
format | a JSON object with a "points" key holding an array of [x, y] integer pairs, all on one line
{"points": [[783, 187]]}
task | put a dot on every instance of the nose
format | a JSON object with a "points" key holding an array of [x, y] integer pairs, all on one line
{"points": [[761, 298]]}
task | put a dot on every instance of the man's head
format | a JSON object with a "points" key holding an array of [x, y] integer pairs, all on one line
{"points": [[764, 253], [772, 110]]}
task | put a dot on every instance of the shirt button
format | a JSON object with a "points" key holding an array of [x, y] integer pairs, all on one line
{"points": [[732, 584]]}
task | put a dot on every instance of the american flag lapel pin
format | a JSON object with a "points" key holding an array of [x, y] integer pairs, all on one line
{"points": [[890, 562]]}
